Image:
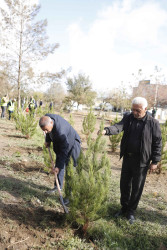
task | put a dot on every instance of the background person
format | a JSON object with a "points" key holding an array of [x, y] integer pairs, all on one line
{"points": [[10, 107], [141, 150], [4, 101]]}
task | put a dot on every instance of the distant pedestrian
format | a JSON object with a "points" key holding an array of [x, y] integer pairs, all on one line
{"points": [[40, 103], [51, 105], [4, 101], [153, 112], [10, 107], [32, 106]]}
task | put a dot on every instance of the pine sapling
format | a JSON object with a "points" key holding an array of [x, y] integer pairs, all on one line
{"points": [[115, 139], [88, 182], [163, 163], [27, 124], [71, 120], [46, 158], [89, 123]]}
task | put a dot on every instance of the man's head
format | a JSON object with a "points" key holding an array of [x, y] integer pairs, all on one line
{"points": [[139, 107], [46, 124]]}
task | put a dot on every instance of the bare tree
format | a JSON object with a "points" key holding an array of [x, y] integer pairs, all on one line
{"points": [[55, 94], [24, 41]]}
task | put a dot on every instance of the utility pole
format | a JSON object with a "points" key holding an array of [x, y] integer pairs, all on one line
{"points": [[157, 70]]}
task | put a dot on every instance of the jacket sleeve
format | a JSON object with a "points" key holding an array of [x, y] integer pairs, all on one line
{"points": [[116, 128], [156, 143], [62, 156], [47, 138]]}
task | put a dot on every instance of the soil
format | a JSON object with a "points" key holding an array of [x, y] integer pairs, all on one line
{"points": [[27, 224]]}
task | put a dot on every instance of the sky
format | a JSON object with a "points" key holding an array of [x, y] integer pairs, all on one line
{"points": [[108, 40]]}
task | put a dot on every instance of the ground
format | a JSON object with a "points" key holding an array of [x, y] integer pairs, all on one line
{"points": [[30, 219]]}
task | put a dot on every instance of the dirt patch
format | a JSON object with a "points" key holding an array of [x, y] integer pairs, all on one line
{"points": [[26, 222]]}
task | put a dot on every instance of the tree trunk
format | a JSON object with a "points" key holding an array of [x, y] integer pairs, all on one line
{"points": [[19, 64]]}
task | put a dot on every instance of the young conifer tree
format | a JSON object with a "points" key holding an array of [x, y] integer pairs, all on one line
{"points": [[115, 139], [71, 120], [46, 158], [89, 123], [163, 163], [88, 182], [27, 124]]}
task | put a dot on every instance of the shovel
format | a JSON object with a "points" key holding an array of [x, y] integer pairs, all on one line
{"points": [[58, 186]]}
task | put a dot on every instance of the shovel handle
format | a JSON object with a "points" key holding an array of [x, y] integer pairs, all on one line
{"points": [[57, 184], [56, 179]]}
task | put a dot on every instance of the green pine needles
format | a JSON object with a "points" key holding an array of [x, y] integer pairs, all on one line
{"points": [[163, 163], [115, 139], [46, 158], [89, 123], [26, 123], [87, 185], [71, 120]]}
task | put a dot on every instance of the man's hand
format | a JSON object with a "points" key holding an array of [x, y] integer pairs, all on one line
{"points": [[103, 132], [55, 170], [152, 168], [47, 144]]}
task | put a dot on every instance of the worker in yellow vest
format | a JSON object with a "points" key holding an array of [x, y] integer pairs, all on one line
{"points": [[3, 105], [10, 107]]}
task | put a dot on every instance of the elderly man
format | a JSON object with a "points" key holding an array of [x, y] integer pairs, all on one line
{"points": [[66, 143], [141, 150]]}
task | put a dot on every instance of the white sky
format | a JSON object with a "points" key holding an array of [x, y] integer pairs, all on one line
{"points": [[107, 40], [121, 38]]}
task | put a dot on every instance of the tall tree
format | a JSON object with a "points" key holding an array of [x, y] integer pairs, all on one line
{"points": [[119, 98], [24, 41], [80, 90], [56, 94]]}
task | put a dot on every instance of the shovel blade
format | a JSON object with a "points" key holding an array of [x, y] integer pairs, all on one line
{"points": [[64, 206]]}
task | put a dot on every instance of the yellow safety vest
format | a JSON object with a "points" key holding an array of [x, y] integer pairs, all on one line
{"points": [[3, 102], [11, 107]]}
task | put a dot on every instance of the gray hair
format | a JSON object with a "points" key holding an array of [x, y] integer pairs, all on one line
{"points": [[140, 100], [44, 121]]}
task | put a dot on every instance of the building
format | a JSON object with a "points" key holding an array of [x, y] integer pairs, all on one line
{"points": [[156, 94]]}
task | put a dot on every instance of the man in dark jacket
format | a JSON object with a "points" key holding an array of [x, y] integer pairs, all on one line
{"points": [[141, 150], [66, 143]]}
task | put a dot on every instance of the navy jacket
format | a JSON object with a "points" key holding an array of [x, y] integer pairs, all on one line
{"points": [[151, 139], [66, 141]]}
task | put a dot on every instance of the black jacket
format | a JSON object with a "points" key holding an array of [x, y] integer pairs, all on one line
{"points": [[64, 139], [151, 140]]}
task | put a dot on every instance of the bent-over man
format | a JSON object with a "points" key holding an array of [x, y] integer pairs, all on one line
{"points": [[66, 143], [141, 150]]}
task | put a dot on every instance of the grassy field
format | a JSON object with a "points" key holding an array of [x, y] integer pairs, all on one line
{"points": [[30, 219]]}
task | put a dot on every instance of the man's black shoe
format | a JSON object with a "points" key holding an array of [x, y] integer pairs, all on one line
{"points": [[120, 213], [131, 218], [66, 201]]}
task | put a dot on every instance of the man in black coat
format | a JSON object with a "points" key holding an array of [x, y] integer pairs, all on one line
{"points": [[66, 143], [141, 150]]}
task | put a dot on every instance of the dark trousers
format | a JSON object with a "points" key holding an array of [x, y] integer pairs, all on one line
{"points": [[132, 182], [10, 113], [60, 177], [75, 152], [3, 111]]}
